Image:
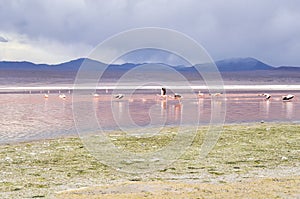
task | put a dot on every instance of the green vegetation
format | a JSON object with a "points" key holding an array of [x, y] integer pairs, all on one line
{"points": [[43, 168]]}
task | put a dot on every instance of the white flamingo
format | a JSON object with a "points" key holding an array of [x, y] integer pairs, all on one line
{"points": [[96, 95], [266, 95], [62, 96]]}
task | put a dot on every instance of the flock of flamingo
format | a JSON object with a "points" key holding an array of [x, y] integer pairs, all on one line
{"points": [[284, 98], [176, 96]]}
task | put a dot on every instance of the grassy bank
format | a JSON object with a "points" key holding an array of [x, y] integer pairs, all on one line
{"points": [[260, 154]]}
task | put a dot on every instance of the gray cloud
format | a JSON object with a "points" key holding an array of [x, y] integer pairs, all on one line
{"points": [[2, 39], [268, 30]]}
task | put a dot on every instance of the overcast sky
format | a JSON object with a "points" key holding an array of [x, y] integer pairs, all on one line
{"points": [[53, 31]]}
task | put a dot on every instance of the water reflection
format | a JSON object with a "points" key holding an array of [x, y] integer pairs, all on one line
{"points": [[29, 116], [217, 109], [265, 108], [46, 104], [288, 106], [163, 106], [178, 111], [200, 103], [120, 113]]}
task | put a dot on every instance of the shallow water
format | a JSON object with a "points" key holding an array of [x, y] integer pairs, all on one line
{"points": [[30, 116]]}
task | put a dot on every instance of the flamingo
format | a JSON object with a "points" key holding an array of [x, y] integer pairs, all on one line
{"points": [[216, 94], [119, 96], [287, 97], [200, 94], [266, 95], [96, 95], [177, 96], [62, 96], [163, 92]]}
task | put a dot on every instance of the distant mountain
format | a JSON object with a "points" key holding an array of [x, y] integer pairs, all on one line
{"points": [[13, 65], [242, 64], [72, 65], [226, 65], [28, 66], [287, 68]]}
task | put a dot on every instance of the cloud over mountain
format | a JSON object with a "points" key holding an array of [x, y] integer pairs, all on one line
{"points": [[63, 29]]}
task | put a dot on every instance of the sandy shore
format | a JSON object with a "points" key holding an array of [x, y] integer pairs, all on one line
{"points": [[287, 187], [249, 161]]}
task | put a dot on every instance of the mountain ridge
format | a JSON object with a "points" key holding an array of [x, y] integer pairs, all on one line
{"points": [[225, 65]]}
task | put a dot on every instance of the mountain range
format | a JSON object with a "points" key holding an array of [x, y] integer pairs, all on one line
{"points": [[226, 65], [233, 70]]}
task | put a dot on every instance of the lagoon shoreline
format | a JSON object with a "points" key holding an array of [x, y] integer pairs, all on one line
{"points": [[266, 154]]}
